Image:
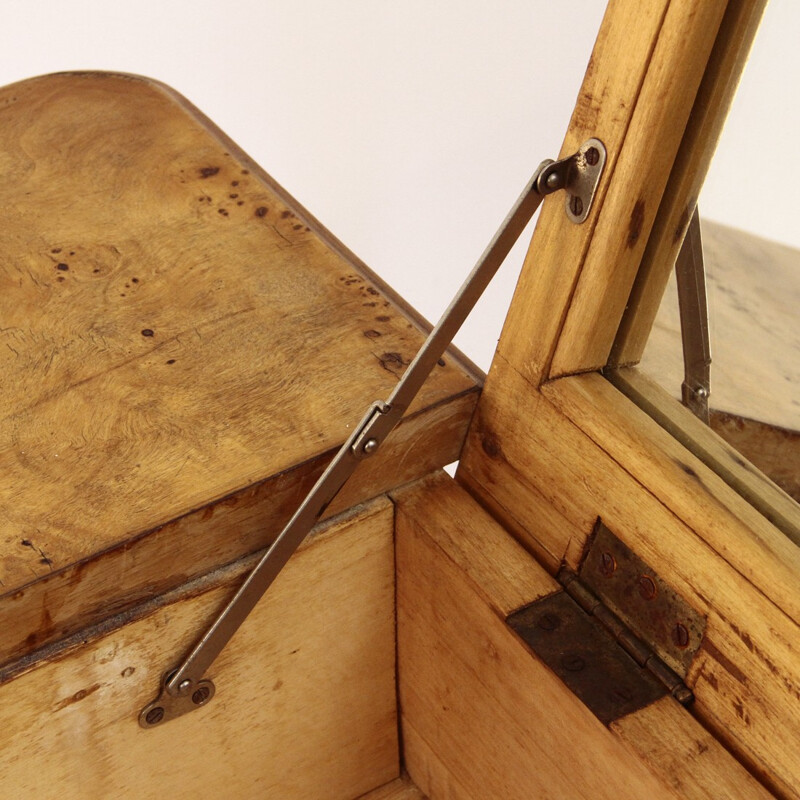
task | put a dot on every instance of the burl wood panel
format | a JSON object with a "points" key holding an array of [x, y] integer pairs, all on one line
{"points": [[182, 345]]}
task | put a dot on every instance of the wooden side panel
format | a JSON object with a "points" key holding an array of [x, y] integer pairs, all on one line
{"points": [[305, 704], [552, 471], [481, 715]]}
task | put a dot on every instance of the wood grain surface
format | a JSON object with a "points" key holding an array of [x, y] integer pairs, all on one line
{"points": [[178, 338], [305, 704], [584, 451], [482, 717]]}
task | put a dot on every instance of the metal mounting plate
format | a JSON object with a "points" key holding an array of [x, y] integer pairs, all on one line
{"points": [[642, 599], [602, 675]]}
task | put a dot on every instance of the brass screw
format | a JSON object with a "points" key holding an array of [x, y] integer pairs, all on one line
{"points": [[549, 622], [647, 587], [592, 156], [201, 695], [154, 715], [608, 564], [680, 635]]}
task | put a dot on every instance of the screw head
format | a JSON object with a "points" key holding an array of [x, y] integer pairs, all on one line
{"points": [[680, 635], [647, 587], [201, 695], [154, 715], [184, 687], [608, 564], [572, 662], [576, 205], [549, 621], [592, 156], [370, 446]]}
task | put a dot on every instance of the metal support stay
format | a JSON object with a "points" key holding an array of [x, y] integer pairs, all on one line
{"points": [[693, 305], [184, 688]]}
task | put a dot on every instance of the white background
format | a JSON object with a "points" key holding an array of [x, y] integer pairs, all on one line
{"points": [[409, 128]]}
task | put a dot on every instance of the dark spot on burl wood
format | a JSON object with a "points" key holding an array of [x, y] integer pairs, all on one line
{"points": [[26, 543], [245, 172], [148, 332], [62, 266], [122, 295], [261, 211], [636, 223], [135, 280], [72, 252], [296, 227], [372, 291], [45, 560], [222, 211], [207, 172], [277, 685], [127, 672], [441, 362], [234, 183], [392, 361], [491, 445], [96, 270], [369, 305], [81, 694], [127, 286], [171, 361], [383, 318], [687, 469], [240, 202], [285, 214], [55, 250], [372, 334], [233, 196], [61, 279]]}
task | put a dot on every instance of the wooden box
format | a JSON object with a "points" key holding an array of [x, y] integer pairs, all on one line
{"points": [[185, 349]]}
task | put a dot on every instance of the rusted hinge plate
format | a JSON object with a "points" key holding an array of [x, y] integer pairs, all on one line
{"points": [[585, 657], [642, 600]]}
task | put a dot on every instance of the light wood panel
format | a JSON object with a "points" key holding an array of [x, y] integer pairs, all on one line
{"points": [[645, 161], [481, 716], [700, 138], [581, 451], [305, 703], [177, 331]]}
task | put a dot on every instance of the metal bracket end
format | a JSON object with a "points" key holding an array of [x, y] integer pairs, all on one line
{"points": [[579, 176], [169, 706]]}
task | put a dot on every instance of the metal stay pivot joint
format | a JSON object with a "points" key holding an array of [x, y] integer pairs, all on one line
{"points": [[184, 688]]}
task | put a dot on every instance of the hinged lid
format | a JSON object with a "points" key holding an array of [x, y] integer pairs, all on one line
{"points": [[183, 347]]}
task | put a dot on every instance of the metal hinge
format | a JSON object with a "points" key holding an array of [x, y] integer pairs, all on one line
{"points": [[617, 635]]}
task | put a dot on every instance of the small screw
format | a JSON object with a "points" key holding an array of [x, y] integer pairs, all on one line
{"points": [[573, 662], [184, 686], [622, 694], [154, 715], [592, 156], [608, 564], [647, 587], [549, 622], [680, 635], [370, 446], [576, 205], [201, 695], [701, 392]]}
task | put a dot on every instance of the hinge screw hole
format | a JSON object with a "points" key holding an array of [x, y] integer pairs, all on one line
{"points": [[680, 635], [154, 715], [608, 564], [200, 695]]}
